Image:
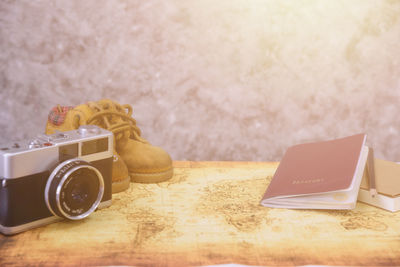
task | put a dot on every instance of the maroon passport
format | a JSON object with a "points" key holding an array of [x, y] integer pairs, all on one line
{"points": [[321, 175]]}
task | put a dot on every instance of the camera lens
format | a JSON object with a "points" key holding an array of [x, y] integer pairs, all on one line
{"points": [[74, 189], [79, 193]]}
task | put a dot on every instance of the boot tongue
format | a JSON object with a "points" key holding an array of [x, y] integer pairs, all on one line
{"points": [[85, 113], [117, 120], [112, 119]]}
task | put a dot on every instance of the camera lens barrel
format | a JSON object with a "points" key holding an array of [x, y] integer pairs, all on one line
{"points": [[74, 189]]}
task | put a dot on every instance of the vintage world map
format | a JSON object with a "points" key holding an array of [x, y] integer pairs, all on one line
{"points": [[209, 213]]}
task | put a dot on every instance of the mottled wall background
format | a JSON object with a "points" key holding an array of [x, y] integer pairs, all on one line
{"points": [[209, 80]]}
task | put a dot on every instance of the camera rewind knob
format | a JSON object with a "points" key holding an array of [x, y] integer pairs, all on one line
{"points": [[85, 130]]}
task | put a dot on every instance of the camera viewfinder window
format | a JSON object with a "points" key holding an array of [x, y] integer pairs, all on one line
{"points": [[94, 146], [68, 152]]}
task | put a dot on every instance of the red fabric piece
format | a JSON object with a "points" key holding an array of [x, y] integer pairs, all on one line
{"points": [[57, 114]]}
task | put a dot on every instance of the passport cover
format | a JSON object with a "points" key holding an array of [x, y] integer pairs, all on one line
{"points": [[318, 168]]}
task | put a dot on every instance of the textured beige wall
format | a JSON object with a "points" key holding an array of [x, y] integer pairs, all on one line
{"points": [[209, 80]]}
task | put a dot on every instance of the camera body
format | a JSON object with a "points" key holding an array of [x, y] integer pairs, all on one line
{"points": [[63, 175]]}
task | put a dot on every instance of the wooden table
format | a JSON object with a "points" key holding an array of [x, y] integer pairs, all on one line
{"points": [[209, 213]]}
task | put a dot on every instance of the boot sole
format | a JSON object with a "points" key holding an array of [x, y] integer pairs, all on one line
{"points": [[120, 185], [148, 178]]}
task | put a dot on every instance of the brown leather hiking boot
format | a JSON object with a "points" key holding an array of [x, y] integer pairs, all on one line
{"points": [[69, 118], [146, 163]]}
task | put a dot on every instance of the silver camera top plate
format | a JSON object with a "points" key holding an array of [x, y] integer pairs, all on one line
{"points": [[27, 157]]}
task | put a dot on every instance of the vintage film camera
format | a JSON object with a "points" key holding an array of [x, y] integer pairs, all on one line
{"points": [[64, 175]]}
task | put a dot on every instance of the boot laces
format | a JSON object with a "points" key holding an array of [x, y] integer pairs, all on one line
{"points": [[116, 118]]}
